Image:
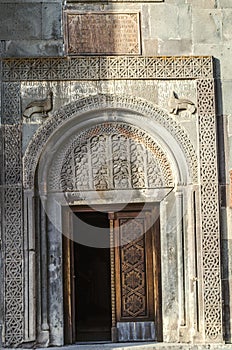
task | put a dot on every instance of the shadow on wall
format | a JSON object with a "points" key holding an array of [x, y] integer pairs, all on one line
{"points": [[225, 243]]}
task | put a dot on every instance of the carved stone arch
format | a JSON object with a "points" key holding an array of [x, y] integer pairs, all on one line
{"points": [[144, 159], [168, 160], [61, 141], [82, 109]]}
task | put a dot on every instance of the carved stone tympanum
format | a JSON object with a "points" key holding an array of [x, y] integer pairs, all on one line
{"points": [[111, 156]]}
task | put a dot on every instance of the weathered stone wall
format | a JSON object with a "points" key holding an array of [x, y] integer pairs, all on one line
{"points": [[31, 28], [34, 28]]}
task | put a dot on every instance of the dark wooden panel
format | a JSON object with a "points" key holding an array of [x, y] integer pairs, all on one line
{"points": [[68, 285], [134, 267]]}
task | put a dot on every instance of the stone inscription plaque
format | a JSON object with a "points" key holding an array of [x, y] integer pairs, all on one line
{"points": [[103, 33]]}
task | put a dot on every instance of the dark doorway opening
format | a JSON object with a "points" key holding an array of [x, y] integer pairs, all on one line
{"points": [[92, 296]]}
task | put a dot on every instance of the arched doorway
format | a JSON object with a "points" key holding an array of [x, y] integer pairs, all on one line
{"points": [[106, 157], [112, 159]]}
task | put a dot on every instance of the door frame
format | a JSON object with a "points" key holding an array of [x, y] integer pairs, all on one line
{"points": [[68, 261]]}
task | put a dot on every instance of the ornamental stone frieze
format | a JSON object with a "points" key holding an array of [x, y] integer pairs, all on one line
{"points": [[84, 87]]}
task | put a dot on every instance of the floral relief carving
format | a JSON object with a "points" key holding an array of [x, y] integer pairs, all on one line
{"points": [[111, 156]]}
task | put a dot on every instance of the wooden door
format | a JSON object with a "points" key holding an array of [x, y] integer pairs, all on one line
{"points": [[68, 279], [137, 275]]}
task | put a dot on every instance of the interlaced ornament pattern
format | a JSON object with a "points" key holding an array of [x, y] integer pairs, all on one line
{"points": [[13, 235], [209, 210], [103, 68]]}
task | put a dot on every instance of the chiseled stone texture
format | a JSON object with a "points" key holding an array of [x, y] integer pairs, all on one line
{"points": [[202, 3], [226, 100], [31, 28], [183, 46], [23, 48], [209, 23], [157, 27], [21, 20]]}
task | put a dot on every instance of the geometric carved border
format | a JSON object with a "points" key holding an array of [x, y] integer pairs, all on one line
{"points": [[13, 235], [12, 155], [11, 109], [101, 68], [209, 210], [96, 102], [13, 269]]}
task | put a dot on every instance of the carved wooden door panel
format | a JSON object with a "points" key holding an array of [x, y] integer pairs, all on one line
{"points": [[135, 276]]}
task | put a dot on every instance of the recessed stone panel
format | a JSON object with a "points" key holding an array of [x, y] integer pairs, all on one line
{"points": [[102, 33]]}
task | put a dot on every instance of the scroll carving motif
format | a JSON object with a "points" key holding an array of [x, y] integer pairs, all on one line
{"points": [[99, 161], [111, 156]]}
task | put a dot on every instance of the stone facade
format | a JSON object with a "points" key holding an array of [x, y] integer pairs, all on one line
{"points": [[168, 94]]}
